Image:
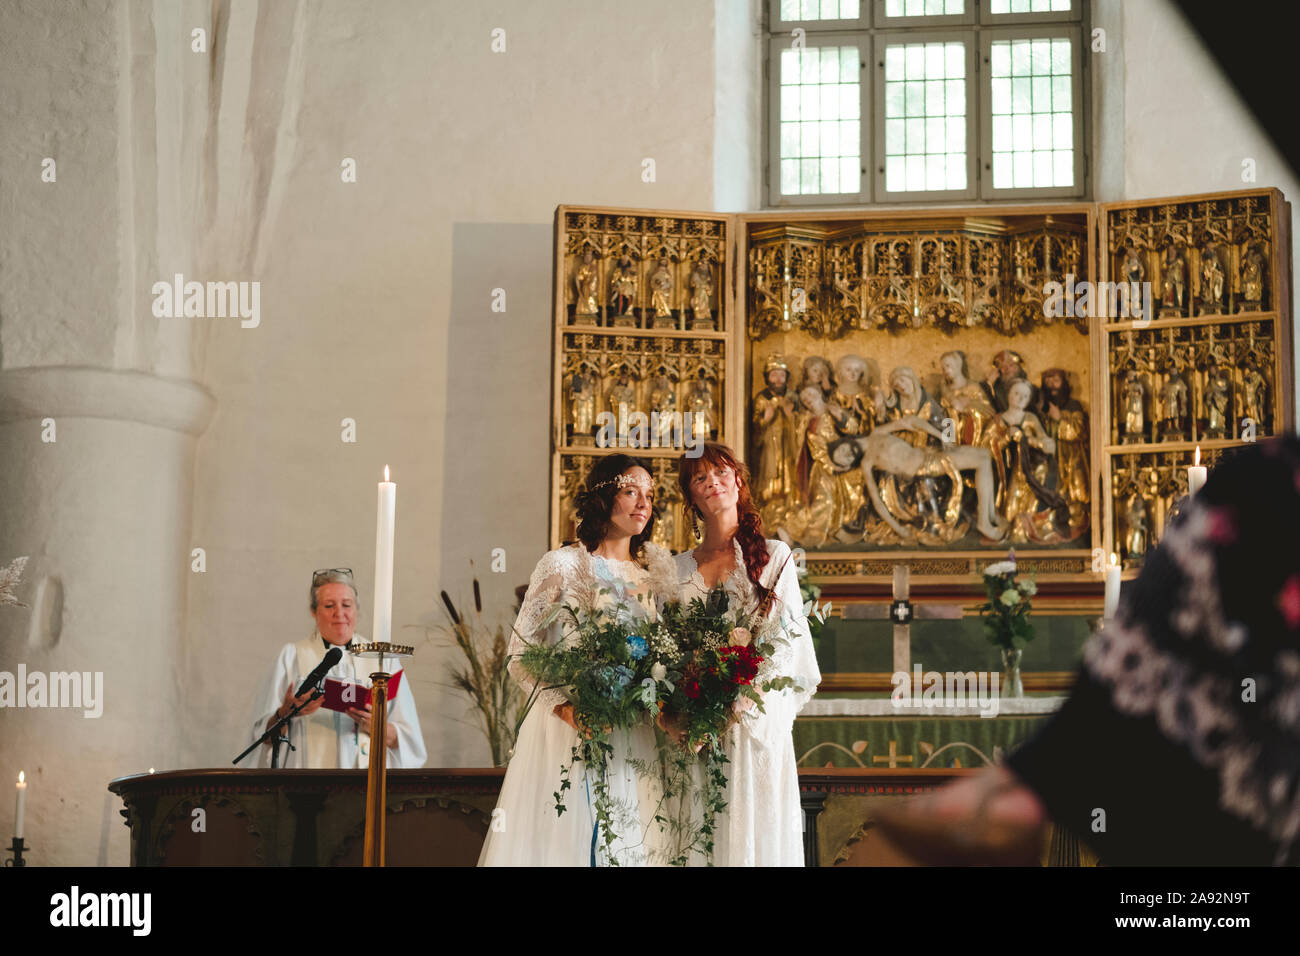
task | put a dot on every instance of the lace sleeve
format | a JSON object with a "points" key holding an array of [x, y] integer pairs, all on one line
{"points": [[793, 655], [552, 581]]}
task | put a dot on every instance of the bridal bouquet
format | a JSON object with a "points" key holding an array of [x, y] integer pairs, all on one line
{"points": [[610, 670], [723, 659]]}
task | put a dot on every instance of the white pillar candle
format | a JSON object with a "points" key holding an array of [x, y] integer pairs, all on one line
{"points": [[384, 559], [1196, 474], [1111, 603], [20, 804]]}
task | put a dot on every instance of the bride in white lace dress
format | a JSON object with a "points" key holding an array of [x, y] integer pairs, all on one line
{"points": [[763, 822], [614, 567]]}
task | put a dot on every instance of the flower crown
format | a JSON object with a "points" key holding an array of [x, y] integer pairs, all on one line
{"points": [[622, 481]]}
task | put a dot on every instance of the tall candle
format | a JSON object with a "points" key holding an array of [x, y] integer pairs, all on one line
{"points": [[384, 559], [20, 804], [1111, 603], [1196, 474]]}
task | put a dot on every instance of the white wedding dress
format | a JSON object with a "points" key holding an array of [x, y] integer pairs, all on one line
{"points": [[763, 822], [525, 829]]}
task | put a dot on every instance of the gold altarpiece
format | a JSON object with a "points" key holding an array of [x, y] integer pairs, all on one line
{"points": [[659, 312]]}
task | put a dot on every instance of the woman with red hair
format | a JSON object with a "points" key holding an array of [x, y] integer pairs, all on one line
{"points": [[763, 822]]}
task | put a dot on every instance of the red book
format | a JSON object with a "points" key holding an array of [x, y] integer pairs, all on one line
{"points": [[343, 695]]}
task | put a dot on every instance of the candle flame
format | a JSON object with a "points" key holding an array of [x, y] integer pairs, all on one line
{"points": [[1114, 559], [385, 473], [20, 776], [1198, 455]]}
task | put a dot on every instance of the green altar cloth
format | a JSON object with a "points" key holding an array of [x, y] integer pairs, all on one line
{"points": [[910, 740]]}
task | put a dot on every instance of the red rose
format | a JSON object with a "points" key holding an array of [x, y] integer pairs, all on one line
{"points": [[691, 688]]}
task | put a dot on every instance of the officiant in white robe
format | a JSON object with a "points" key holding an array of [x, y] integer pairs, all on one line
{"points": [[324, 738]]}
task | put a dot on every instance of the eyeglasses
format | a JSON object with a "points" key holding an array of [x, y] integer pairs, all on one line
{"points": [[320, 573]]}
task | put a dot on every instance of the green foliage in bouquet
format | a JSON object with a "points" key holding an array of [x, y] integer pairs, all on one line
{"points": [[720, 660], [1006, 612], [606, 670]]}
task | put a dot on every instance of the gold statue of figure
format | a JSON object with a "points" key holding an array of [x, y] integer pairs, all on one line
{"points": [[1133, 404], [963, 400], [852, 404], [1134, 272], [699, 402], [1175, 278], [622, 401], [1006, 368], [1218, 398], [1135, 530], [622, 289], [701, 280], [663, 399], [586, 285], [817, 371], [1254, 395], [827, 497], [1067, 424], [661, 294], [1029, 448], [1211, 280], [582, 407], [1252, 280], [776, 441], [918, 495]]}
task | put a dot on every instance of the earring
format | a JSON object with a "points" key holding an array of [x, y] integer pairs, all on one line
{"points": [[693, 514]]}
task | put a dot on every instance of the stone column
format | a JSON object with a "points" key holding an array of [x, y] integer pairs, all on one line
{"points": [[95, 485]]}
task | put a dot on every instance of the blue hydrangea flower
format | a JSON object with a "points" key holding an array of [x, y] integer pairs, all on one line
{"points": [[637, 647]]}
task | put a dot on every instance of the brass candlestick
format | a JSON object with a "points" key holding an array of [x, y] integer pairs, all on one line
{"points": [[384, 656]]}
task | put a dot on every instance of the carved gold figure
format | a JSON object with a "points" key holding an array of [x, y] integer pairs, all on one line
{"points": [[1066, 423], [661, 291], [1029, 448], [1174, 282], [776, 442], [1134, 407], [700, 404], [702, 296], [622, 287], [1254, 396], [582, 406], [1218, 399], [963, 400], [827, 498], [1211, 280], [586, 285], [817, 371], [1252, 280], [852, 404], [1135, 529]]}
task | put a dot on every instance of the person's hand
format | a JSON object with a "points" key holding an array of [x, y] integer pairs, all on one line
{"points": [[565, 713], [1053, 412], [674, 725], [365, 718], [291, 701]]}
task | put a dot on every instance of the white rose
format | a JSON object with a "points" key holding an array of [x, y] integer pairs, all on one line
{"points": [[740, 637], [1001, 567], [658, 671]]}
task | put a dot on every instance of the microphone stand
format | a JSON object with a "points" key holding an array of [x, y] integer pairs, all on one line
{"points": [[272, 734]]}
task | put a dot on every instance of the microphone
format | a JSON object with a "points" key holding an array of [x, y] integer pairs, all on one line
{"points": [[331, 658]]}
